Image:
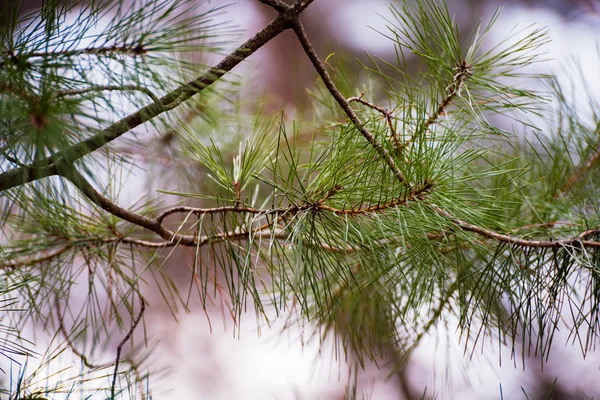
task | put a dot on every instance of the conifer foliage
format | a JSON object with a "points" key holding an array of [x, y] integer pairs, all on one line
{"points": [[414, 202]]}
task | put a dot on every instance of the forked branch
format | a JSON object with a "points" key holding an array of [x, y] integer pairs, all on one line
{"points": [[341, 100], [387, 115]]}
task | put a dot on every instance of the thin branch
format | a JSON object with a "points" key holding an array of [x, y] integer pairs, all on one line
{"points": [[66, 335], [130, 49], [123, 342], [386, 113], [441, 110], [463, 72], [10, 264], [48, 167], [318, 205], [320, 67], [172, 239], [577, 241], [217, 210], [581, 171], [151, 224]]}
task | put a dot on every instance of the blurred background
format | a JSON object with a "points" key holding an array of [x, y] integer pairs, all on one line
{"points": [[209, 359]]}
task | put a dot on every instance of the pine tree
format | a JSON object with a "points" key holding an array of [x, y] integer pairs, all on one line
{"points": [[406, 206]]}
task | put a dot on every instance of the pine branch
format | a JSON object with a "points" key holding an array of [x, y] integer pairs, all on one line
{"points": [[29, 261], [387, 114], [133, 50], [578, 241], [581, 171], [48, 167], [341, 100], [463, 72], [134, 324], [156, 224]]}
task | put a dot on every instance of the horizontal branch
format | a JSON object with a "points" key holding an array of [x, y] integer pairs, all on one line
{"points": [[128, 49], [217, 210], [28, 261], [578, 241], [267, 231], [173, 239]]}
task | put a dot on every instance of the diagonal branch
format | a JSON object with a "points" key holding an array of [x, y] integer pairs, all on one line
{"points": [[134, 324], [320, 67], [581, 171], [48, 167], [386, 113], [463, 72], [152, 224]]}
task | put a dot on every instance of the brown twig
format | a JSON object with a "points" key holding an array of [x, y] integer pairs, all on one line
{"points": [[341, 100], [10, 264], [171, 239], [123, 342], [130, 49], [570, 242], [581, 171], [66, 335], [156, 224], [217, 210], [387, 115], [463, 72]]}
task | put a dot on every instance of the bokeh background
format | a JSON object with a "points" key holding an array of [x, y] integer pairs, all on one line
{"points": [[208, 359]]}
